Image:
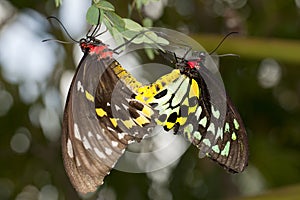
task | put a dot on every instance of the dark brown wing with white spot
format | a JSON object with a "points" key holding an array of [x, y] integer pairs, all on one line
{"points": [[89, 148], [101, 118]]}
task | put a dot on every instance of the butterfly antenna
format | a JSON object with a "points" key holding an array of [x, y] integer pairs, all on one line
{"points": [[64, 28], [128, 41], [221, 42], [106, 29], [55, 40], [229, 54]]}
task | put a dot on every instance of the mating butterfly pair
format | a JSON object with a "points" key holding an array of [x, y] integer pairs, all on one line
{"points": [[98, 126]]}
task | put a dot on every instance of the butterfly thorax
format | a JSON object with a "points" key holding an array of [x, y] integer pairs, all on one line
{"points": [[92, 45]]}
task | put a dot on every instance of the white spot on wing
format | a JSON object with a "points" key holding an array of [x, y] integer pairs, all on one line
{"points": [[77, 162], [211, 128], [215, 113], [86, 143], [108, 151], [121, 135], [70, 148], [198, 112], [219, 133], [117, 107], [125, 106], [203, 121], [90, 134], [80, 87], [76, 132], [99, 153], [114, 143], [99, 137], [130, 141], [111, 129]]}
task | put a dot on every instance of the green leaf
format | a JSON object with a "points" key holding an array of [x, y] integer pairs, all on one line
{"points": [[115, 20], [107, 24], [117, 36], [147, 22], [139, 37], [149, 53], [58, 3], [92, 15], [132, 25], [105, 5], [138, 4]]}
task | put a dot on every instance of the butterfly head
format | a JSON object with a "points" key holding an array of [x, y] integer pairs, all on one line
{"points": [[87, 44]]}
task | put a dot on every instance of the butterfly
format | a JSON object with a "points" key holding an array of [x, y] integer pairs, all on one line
{"points": [[190, 101], [97, 127]]}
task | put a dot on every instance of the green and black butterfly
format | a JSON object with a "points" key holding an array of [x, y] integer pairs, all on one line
{"points": [[186, 104]]}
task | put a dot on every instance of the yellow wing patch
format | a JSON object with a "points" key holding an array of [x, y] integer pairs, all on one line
{"points": [[89, 96], [100, 112]]}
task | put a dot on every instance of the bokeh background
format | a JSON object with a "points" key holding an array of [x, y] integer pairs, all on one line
{"points": [[263, 83]]}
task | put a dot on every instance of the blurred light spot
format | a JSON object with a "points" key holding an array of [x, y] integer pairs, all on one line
{"points": [[107, 193], [297, 3], [162, 175], [26, 58], [219, 7], [72, 15], [6, 102], [288, 99], [20, 142], [269, 73], [41, 178], [159, 188], [155, 9], [34, 113], [6, 188], [77, 53], [159, 192], [250, 182], [6, 11], [236, 4], [29, 192], [29, 92], [65, 83], [48, 192], [52, 99], [185, 8], [50, 124]]}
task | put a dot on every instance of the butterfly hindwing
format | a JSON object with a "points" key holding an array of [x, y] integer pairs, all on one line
{"points": [[205, 115], [128, 119]]}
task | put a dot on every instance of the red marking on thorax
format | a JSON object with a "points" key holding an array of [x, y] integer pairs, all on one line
{"points": [[192, 64], [97, 49], [101, 51]]}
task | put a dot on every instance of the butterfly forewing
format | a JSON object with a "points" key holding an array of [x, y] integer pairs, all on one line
{"points": [[102, 116], [89, 148]]}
